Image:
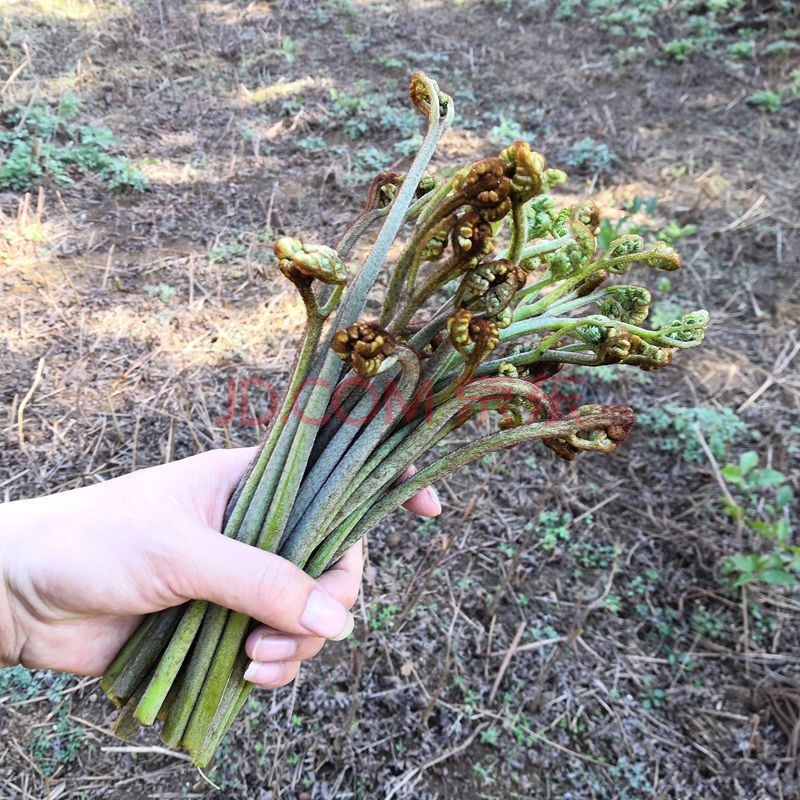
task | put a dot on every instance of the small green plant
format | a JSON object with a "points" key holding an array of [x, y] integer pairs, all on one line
{"points": [[766, 101], [484, 770], [673, 232], [763, 503], [613, 603], [553, 528], [506, 131], [706, 623], [288, 48], [567, 9], [57, 743], [407, 147], [679, 49], [749, 478], [780, 48], [490, 736], [384, 618], [744, 49], [18, 684], [358, 111], [590, 554], [611, 230], [163, 291], [40, 142], [635, 775], [311, 144], [676, 426], [652, 698], [223, 253], [588, 155], [630, 55], [611, 373], [762, 626], [367, 161], [663, 311], [643, 584]]}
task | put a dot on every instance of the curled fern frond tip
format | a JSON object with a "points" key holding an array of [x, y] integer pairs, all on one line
{"points": [[424, 90], [298, 260], [365, 346]]}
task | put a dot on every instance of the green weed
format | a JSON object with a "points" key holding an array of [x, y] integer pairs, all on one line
{"points": [[663, 312], [612, 230], [591, 554], [40, 143], [223, 253], [762, 501], [613, 373], [163, 291], [57, 743], [630, 55], [679, 49], [369, 160], [390, 62], [588, 155], [613, 603], [706, 623], [780, 48], [675, 429], [643, 584], [635, 776], [745, 49], [766, 101], [507, 131], [672, 232], [552, 528], [19, 683], [359, 111], [311, 144], [384, 617], [407, 147], [288, 48]]}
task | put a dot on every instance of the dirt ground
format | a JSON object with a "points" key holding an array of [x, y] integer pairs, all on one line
{"points": [[636, 671]]}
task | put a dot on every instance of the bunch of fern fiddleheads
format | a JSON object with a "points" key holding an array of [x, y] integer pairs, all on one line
{"points": [[495, 289]]}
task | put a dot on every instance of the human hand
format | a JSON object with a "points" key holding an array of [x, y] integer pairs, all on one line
{"points": [[79, 569]]}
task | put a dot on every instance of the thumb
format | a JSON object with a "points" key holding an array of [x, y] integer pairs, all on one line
{"points": [[262, 585]]}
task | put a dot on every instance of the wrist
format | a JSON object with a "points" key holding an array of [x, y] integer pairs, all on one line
{"points": [[10, 634]]}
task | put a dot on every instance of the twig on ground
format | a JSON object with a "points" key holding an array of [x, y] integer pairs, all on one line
{"points": [[507, 660], [781, 363], [412, 773], [161, 751], [720, 480], [25, 400]]}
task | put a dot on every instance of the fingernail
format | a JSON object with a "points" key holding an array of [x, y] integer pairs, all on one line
{"points": [[274, 648], [430, 494], [347, 630], [264, 674], [326, 617]]}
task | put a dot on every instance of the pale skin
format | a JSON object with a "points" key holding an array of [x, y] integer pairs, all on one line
{"points": [[79, 569]]}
